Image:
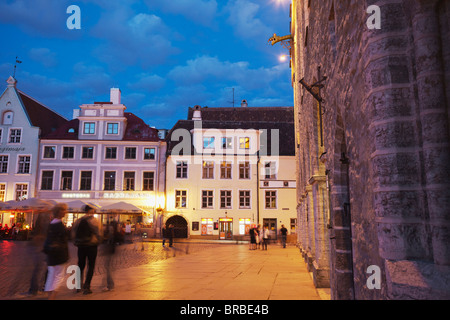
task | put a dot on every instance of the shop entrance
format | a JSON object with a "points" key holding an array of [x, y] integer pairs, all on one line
{"points": [[180, 226], [225, 228], [272, 225]]}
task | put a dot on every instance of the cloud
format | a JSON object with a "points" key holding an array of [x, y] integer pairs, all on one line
{"points": [[148, 82], [131, 39], [243, 18], [201, 12], [44, 56]]}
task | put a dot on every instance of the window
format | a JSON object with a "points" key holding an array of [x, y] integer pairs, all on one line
{"points": [[244, 143], [244, 170], [8, 117], [270, 169], [47, 180], [88, 153], [244, 199], [128, 180], [208, 143], [180, 199], [293, 224], [225, 170], [68, 152], [225, 199], [2, 192], [149, 153], [49, 152], [111, 153], [271, 199], [66, 180], [86, 180], [244, 226], [148, 181], [207, 198], [207, 226], [182, 168], [227, 143], [89, 128], [110, 180], [208, 170], [1, 135], [24, 164], [21, 191], [112, 128], [130, 153], [15, 135], [4, 164]]}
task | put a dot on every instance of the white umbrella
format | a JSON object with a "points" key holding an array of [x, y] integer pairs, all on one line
{"points": [[34, 204], [10, 205], [77, 205], [121, 207]]}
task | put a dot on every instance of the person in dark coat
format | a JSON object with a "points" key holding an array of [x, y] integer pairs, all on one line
{"points": [[57, 250]]}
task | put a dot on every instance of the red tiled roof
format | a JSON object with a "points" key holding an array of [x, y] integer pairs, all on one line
{"points": [[136, 130], [41, 116]]}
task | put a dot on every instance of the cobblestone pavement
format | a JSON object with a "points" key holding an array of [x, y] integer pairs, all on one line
{"points": [[18, 258]]}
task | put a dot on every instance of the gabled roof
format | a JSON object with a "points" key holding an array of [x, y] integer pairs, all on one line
{"points": [[41, 116], [257, 118], [136, 130]]}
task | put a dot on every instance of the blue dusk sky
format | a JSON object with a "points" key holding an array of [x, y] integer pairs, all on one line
{"points": [[165, 56]]}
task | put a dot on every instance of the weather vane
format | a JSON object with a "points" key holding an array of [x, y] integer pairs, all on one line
{"points": [[15, 66]]}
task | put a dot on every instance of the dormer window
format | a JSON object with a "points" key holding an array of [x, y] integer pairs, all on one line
{"points": [[112, 128], [89, 128]]}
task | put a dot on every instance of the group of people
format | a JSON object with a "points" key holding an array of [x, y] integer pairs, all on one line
{"points": [[86, 235], [259, 238]]}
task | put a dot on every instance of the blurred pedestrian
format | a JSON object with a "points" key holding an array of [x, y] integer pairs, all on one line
{"points": [[164, 235], [265, 236], [57, 250], [283, 232], [86, 236], [252, 238], [111, 237], [170, 234]]}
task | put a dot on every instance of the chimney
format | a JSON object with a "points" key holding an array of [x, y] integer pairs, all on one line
{"points": [[244, 104], [115, 96], [197, 113]]}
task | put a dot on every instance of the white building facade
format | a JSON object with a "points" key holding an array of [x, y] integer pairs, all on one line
{"points": [[225, 173], [105, 156]]}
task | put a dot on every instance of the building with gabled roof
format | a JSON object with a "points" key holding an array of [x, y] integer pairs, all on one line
{"points": [[23, 120], [104, 156], [229, 169]]}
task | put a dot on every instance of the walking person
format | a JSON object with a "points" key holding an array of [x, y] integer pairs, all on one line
{"points": [[252, 238], [87, 238], [57, 250], [111, 237], [170, 232], [283, 232], [265, 236], [164, 236]]}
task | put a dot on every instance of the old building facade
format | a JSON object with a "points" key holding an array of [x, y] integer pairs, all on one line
{"points": [[373, 145]]}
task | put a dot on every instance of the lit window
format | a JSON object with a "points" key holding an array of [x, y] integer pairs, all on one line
{"points": [[244, 143]]}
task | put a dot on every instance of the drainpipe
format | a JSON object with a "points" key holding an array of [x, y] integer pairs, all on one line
{"points": [[257, 186]]}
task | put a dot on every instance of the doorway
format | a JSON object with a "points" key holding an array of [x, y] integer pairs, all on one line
{"points": [[272, 224], [180, 226], [225, 228]]}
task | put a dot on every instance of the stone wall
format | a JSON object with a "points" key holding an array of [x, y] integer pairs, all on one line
{"points": [[386, 145]]}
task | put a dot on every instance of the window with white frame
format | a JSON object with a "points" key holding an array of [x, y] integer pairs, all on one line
{"points": [[68, 152], [225, 170], [4, 163], [148, 182], [15, 135], [89, 128], [109, 182], [128, 180], [24, 164], [225, 199], [149, 153], [244, 199], [244, 143], [49, 152], [244, 170], [182, 169], [208, 142], [112, 128], [66, 180], [87, 153], [2, 192], [271, 199], [86, 180], [130, 153], [47, 180], [180, 198], [21, 191], [270, 170], [207, 199], [111, 153], [208, 170]]}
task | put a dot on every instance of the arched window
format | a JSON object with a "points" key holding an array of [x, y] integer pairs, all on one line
{"points": [[8, 117]]}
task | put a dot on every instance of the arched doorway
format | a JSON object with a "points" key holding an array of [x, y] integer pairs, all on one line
{"points": [[180, 226]]}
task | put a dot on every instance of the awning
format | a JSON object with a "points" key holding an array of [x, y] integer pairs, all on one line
{"points": [[122, 208]]}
